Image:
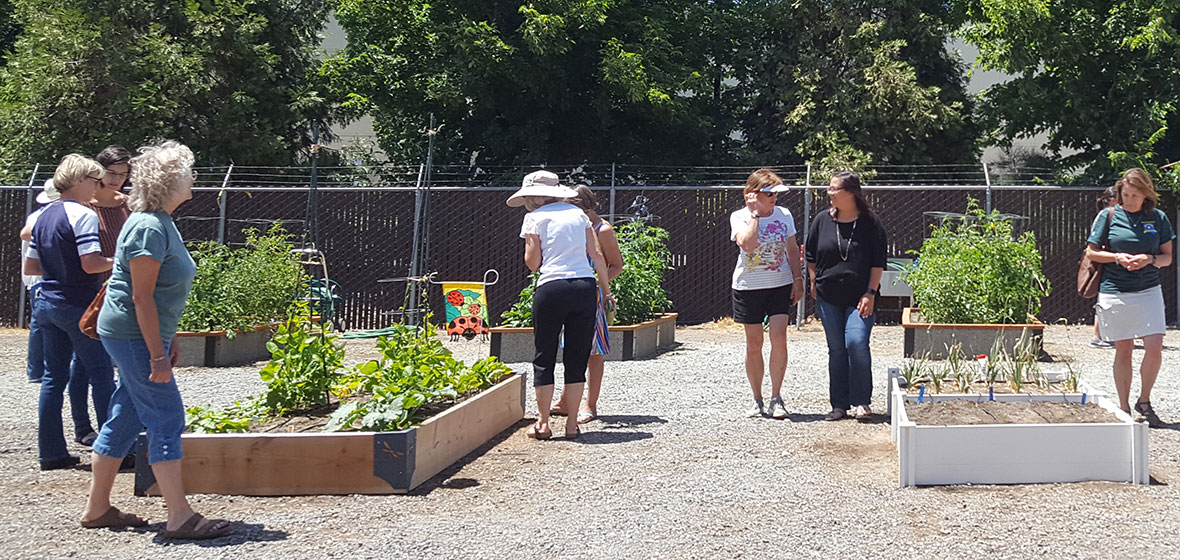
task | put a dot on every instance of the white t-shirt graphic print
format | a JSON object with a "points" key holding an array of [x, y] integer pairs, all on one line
{"points": [[767, 266]]}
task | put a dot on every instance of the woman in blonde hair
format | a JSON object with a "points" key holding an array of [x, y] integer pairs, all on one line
{"points": [[152, 276], [64, 249], [1130, 300]]}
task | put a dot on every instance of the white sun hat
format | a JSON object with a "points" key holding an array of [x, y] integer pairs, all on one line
{"points": [[540, 183], [775, 188], [48, 194]]}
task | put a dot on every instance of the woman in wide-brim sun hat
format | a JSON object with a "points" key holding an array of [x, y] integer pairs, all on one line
{"points": [[557, 238]]}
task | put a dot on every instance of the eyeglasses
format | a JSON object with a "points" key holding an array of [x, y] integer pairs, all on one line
{"points": [[95, 179], [832, 191], [194, 175], [118, 174]]}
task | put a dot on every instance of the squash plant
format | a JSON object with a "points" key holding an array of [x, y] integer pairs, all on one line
{"points": [[413, 373], [973, 270], [638, 289]]}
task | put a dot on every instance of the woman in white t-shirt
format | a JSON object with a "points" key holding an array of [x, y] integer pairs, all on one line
{"points": [[557, 237], [767, 281]]}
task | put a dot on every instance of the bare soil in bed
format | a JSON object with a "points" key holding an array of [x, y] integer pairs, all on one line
{"points": [[958, 412]]}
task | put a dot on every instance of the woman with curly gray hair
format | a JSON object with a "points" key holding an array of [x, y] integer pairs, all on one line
{"points": [[152, 276]]}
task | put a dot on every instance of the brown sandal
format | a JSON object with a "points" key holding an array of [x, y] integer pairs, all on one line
{"points": [[534, 433], [115, 518], [192, 529]]}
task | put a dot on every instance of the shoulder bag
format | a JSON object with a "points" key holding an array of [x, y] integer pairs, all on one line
{"points": [[1090, 272], [89, 321]]}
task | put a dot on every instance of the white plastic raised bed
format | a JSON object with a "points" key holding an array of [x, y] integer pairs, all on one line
{"points": [[1018, 453]]}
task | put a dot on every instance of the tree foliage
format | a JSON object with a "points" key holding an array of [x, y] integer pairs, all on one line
{"points": [[1098, 77], [656, 81], [227, 77]]}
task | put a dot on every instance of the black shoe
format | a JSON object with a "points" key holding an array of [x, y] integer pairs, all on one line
{"points": [[34, 380], [1144, 409], [128, 463], [88, 439], [63, 463]]}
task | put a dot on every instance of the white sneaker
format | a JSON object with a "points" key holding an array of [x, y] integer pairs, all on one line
{"points": [[861, 411], [778, 410], [757, 410]]}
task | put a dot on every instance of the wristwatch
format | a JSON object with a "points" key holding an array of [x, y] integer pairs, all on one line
{"points": [[873, 291]]}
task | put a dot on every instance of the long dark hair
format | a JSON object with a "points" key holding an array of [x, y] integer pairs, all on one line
{"points": [[850, 182]]}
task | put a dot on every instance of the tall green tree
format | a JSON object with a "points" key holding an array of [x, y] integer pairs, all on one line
{"points": [[552, 80], [227, 77], [9, 29], [1100, 78], [657, 81], [847, 83]]}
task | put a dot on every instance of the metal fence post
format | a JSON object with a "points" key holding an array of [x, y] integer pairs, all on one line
{"points": [[24, 294], [801, 307], [612, 192], [987, 180], [221, 204]]}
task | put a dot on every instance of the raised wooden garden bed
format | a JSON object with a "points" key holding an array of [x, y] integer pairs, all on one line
{"points": [[217, 349], [935, 338], [341, 462], [1018, 453], [627, 342]]}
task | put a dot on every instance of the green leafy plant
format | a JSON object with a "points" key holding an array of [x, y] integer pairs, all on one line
{"points": [[638, 289], [914, 370], [521, 312], [972, 270], [238, 289], [236, 418], [937, 377], [413, 373], [958, 368], [1071, 378], [305, 363]]}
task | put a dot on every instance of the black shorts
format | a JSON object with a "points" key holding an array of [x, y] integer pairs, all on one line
{"points": [[751, 307]]}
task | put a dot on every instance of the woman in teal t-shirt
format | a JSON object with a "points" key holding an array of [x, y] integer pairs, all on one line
{"points": [[1130, 300], [152, 276]]}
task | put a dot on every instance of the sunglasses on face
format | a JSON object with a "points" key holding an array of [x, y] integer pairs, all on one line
{"points": [[770, 194]]}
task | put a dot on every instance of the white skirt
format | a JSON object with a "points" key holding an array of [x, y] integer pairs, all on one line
{"points": [[1130, 315]]}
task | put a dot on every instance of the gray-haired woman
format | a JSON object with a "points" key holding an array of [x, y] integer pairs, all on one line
{"points": [[152, 276]]}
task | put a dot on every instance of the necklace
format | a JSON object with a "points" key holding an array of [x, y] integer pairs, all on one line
{"points": [[846, 249]]}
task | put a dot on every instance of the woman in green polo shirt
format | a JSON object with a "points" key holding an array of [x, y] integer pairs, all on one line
{"points": [[1130, 301]]}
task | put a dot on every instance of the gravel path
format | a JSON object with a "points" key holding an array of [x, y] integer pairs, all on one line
{"points": [[673, 470]]}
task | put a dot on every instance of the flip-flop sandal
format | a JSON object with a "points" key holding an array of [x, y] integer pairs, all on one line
{"points": [[555, 412], [534, 433], [584, 417], [192, 529], [574, 434], [115, 518]]}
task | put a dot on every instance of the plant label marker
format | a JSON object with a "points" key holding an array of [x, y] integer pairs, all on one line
{"points": [[1083, 399], [991, 393], [921, 393]]}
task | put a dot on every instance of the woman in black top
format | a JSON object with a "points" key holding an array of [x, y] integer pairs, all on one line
{"points": [[845, 253]]}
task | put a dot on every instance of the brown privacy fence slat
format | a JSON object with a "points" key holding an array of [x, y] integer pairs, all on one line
{"points": [[367, 235]]}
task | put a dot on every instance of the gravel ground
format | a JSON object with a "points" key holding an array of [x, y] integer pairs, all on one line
{"points": [[673, 469]]}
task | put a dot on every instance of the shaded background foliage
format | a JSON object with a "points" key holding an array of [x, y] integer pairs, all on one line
{"points": [[226, 77], [664, 82]]}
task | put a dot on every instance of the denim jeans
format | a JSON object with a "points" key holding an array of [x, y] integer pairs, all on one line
{"points": [[138, 403], [78, 389], [850, 366], [63, 339], [36, 355]]}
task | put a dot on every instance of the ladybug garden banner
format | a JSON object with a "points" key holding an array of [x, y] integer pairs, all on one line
{"points": [[467, 310]]}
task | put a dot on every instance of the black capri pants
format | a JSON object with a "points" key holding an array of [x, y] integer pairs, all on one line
{"points": [[570, 304]]}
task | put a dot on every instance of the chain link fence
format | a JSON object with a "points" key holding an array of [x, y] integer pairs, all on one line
{"points": [[364, 222]]}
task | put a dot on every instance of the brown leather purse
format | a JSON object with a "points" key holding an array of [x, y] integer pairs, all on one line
{"points": [[1090, 272], [89, 321]]}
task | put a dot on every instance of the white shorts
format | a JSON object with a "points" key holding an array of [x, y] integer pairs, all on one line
{"points": [[1130, 315]]}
